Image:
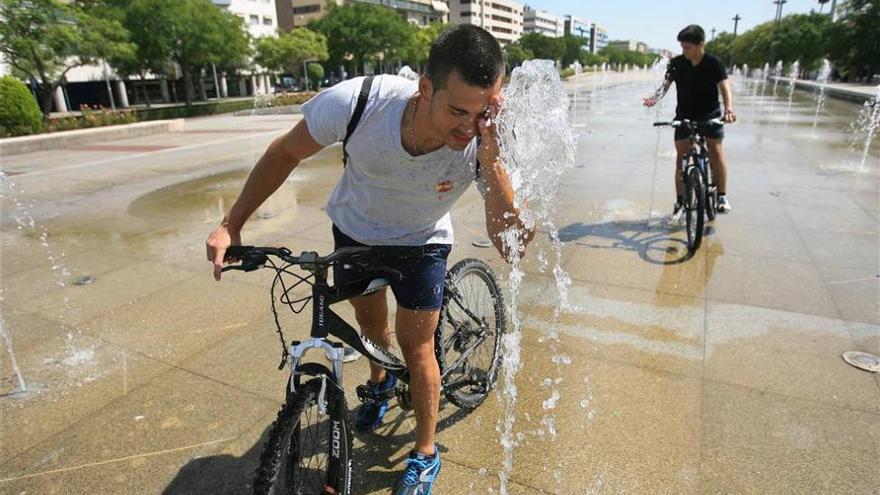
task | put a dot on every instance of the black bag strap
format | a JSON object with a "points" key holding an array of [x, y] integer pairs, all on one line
{"points": [[356, 116]]}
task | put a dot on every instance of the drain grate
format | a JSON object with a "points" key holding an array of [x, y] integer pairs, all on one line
{"points": [[863, 360]]}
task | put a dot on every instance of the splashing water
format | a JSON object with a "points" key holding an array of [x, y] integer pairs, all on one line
{"points": [[777, 73], [538, 145], [824, 74], [407, 72], [865, 128], [7, 341], [61, 273], [577, 83], [792, 79]]}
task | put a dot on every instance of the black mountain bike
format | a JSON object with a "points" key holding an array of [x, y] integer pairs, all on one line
{"points": [[309, 449], [700, 192]]}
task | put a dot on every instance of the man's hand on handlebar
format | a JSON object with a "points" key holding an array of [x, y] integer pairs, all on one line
{"points": [[217, 244]]}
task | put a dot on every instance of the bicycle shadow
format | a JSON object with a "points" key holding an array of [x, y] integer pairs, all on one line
{"points": [[656, 241], [378, 462], [227, 474], [223, 474]]}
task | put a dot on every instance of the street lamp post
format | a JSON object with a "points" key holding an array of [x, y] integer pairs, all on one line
{"points": [[779, 4], [736, 20]]}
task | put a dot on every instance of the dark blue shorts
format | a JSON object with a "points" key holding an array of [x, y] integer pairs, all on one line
{"points": [[423, 269], [713, 131]]}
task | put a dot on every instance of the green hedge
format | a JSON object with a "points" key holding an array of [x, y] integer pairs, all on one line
{"points": [[198, 110], [19, 112], [99, 117]]}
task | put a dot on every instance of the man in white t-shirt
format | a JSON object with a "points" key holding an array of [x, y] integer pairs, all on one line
{"points": [[416, 148]]}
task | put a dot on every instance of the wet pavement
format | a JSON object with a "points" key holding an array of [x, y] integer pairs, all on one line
{"points": [[719, 373]]}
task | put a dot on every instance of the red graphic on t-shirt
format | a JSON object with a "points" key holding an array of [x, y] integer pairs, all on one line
{"points": [[444, 186]]}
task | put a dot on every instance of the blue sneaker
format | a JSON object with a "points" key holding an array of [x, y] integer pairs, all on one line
{"points": [[421, 471], [375, 403]]}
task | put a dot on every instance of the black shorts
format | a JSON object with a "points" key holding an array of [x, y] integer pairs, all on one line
{"points": [[713, 131], [423, 269]]}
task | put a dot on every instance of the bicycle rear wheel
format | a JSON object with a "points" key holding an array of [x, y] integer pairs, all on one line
{"points": [[472, 323], [694, 208], [711, 192], [308, 452]]}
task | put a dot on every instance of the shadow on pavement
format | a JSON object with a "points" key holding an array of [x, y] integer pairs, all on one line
{"points": [[230, 475], [652, 240]]}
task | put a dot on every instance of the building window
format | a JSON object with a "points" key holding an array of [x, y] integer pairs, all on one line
{"points": [[254, 20], [267, 21], [307, 9]]}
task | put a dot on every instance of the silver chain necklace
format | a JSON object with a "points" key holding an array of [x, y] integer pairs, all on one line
{"points": [[412, 128]]}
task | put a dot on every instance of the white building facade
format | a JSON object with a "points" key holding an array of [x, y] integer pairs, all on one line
{"points": [[502, 18], [542, 22]]}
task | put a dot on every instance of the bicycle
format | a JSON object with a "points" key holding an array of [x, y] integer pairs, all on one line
{"points": [[700, 192], [309, 448]]}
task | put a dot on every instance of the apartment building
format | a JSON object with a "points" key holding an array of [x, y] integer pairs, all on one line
{"points": [[598, 38], [260, 16], [502, 18], [298, 13], [542, 22], [629, 45]]}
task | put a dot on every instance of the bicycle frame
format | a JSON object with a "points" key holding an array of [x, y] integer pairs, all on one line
{"points": [[326, 322]]}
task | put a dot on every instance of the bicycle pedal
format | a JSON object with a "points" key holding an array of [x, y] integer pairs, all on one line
{"points": [[365, 395]]}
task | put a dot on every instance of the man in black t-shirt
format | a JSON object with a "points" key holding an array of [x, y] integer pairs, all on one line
{"points": [[699, 78]]}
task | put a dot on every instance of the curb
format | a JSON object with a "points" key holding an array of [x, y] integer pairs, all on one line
{"points": [[833, 91], [65, 139]]}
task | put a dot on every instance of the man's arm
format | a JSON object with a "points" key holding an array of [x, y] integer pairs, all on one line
{"points": [[501, 214], [278, 161], [727, 97], [658, 95]]}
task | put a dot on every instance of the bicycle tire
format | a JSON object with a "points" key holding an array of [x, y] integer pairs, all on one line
{"points": [[694, 208], [480, 294], [711, 192], [284, 466]]}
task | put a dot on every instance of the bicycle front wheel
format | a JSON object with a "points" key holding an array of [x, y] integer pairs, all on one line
{"points": [[695, 205], [309, 447], [471, 326]]}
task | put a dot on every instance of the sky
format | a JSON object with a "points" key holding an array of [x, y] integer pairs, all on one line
{"points": [[657, 22]]}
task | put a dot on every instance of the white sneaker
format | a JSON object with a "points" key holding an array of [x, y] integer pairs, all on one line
{"points": [[349, 354], [677, 214], [723, 205]]}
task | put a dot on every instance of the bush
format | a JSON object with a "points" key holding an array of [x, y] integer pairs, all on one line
{"points": [[91, 117], [287, 99], [566, 73], [19, 112]]}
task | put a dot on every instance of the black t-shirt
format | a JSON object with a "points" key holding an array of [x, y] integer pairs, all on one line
{"points": [[696, 86]]}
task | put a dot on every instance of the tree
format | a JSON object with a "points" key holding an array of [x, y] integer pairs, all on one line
{"points": [[722, 46], [572, 47], [359, 32], [288, 51], [316, 74], [853, 45], [44, 39], [193, 34], [416, 53], [543, 47], [802, 37], [516, 55]]}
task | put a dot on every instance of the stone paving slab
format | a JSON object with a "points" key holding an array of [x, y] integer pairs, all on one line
{"points": [[718, 373]]}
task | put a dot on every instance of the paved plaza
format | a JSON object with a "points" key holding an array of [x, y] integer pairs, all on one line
{"points": [[721, 373]]}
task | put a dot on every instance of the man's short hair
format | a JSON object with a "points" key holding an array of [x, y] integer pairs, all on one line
{"points": [[469, 50], [692, 34]]}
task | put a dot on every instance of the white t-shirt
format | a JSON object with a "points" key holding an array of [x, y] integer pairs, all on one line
{"points": [[386, 196]]}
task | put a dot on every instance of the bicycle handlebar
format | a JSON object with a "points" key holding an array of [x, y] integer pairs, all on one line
{"points": [[252, 257], [689, 123]]}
